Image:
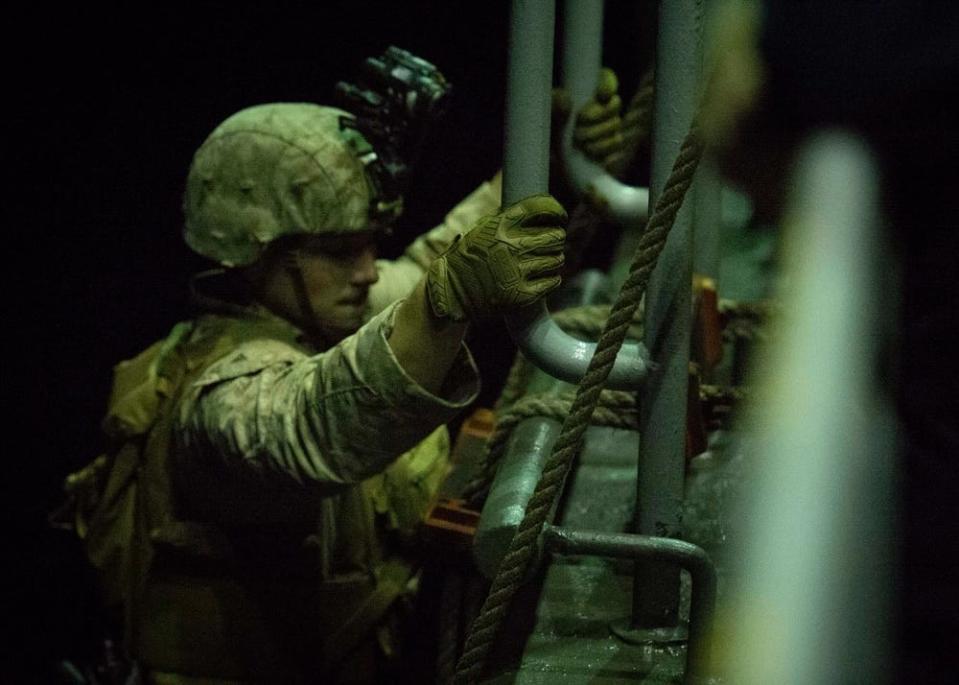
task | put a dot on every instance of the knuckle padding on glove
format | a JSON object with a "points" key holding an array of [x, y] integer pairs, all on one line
{"points": [[503, 265], [485, 271], [539, 267], [548, 242]]}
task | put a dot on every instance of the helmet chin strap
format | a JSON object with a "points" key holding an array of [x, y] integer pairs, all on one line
{"points": [[291, 263]]}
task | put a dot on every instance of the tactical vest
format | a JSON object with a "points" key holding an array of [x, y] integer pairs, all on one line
{"points": [[236, 603]]}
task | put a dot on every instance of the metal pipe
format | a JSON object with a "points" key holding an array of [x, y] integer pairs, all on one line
{"points": [[667, 319], [676, 552], [817, 559], [519, 471], [566, 358], [707, 193], [528, 99], [622, 204], [526, 451], [526, 172], [707, 199]]}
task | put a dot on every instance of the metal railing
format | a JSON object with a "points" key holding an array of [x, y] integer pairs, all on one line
{"points": [[668, 316], [526, 172], [820, 478], [621, 203]]}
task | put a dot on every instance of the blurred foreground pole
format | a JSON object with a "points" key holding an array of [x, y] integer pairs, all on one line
{"points": [[813, 604]]}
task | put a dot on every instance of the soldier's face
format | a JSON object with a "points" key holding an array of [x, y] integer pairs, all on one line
{"points": [[337, 272]]}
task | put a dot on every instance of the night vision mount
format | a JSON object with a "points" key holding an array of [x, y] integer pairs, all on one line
{"points": [[395, 99]]}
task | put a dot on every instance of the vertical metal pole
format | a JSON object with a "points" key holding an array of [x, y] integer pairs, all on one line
{"points": [[707, 191], [667, 324], [528, 99], [812, 604], [706, 216], [582, 49]]}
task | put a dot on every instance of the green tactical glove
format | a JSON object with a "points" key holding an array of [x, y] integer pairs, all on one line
{"points": [[507, 260], [597, 132]]}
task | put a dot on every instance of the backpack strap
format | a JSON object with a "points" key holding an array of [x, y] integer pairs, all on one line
{"points": [[391, 581]]}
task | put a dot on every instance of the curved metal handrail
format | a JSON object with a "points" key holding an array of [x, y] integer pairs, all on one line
{"points": [[620, 203], [526, 172]]}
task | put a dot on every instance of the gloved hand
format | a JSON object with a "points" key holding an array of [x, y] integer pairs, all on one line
{"points": [[597, 132], [507, 260]]}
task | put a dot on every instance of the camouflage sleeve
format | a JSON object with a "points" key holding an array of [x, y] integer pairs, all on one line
{"points": [[397, 278], [334, 418]]}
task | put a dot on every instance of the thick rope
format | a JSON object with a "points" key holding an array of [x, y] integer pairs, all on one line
{"points": [[722, 394], [586, 322], [616, 409], [637, 124], [638, 120], [513, 567]]}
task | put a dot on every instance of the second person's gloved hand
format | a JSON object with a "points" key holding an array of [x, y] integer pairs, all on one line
{"points": [[597, 132], [510, 259]]}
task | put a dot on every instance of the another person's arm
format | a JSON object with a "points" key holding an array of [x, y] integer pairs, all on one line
{"points": [[399, 277]]}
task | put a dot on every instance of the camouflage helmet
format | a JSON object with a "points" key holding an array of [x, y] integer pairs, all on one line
{"points": [[275, 170]]}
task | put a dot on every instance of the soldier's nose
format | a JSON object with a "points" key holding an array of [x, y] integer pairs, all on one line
{"points": [[364, 268]]}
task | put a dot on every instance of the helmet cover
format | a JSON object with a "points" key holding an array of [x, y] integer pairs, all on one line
{"points": [[275, 170]]}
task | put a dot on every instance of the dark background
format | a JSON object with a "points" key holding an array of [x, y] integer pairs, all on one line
{"points": [[104, 112]]}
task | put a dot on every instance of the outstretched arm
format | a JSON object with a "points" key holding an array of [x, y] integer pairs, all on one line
{"points": [[424, 344], [508, 260]]}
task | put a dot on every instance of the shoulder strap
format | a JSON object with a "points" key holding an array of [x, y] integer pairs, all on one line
{"points": [[391, 580]]}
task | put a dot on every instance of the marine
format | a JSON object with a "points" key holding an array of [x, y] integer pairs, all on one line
{"points": [[270, 457]]}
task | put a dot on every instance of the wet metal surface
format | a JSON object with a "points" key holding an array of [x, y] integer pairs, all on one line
{"points": [[637, 547], [526, 451], [571, 641]]}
